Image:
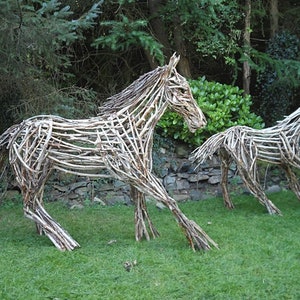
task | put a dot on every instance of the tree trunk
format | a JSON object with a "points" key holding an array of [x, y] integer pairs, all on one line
{"points": [[273, 17], [159, 30], [247, 43], [183, 64]]}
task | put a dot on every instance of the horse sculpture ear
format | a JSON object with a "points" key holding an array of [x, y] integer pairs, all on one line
{"points": [[174, 61], [172, 64]]}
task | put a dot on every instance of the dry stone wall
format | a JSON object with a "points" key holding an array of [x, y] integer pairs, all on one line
{"points": [[176, 173]]}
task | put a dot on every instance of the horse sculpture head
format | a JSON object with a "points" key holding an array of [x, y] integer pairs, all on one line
{"points": [[180, 98]]}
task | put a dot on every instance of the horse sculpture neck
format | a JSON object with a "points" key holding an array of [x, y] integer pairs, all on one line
{"points": [[136, 94], [144, 101]]}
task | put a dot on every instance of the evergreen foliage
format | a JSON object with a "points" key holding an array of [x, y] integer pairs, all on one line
{"points": [[217, 35], [209, 27], [124, 33], [37, 35], [36, 53], [279, 80]]}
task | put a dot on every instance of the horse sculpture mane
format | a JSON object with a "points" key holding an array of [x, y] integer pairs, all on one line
{"points": [[143, 87], [131, 95]]}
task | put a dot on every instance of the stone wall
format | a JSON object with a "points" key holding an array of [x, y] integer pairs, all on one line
{"points": [[176, 172]]}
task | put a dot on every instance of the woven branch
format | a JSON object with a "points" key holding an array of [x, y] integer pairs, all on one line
{"points": [[117, 142], [245, 146]]}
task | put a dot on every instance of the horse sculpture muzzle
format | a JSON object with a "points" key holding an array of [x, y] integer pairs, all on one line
{"points": [[197, 121]]}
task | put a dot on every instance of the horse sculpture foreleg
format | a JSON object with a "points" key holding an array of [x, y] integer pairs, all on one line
{"points": [[196, 236], [293, 180], [137, 175], [141, 216], [225, 163]]}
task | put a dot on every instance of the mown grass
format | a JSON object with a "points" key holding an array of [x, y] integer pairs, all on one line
{"points": [[259, 256]]}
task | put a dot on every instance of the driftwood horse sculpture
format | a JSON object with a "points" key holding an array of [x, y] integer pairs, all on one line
{"points": [[279, 145], [118, 140]]}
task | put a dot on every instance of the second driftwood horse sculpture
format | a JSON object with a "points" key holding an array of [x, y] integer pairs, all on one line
{"points": [[119, 140], [279, 145]]}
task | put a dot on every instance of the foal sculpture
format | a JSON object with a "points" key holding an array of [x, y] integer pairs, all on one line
{"points": [[118, 140], [279, 145]]}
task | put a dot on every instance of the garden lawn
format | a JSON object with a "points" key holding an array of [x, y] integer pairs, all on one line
{"points": [[259, 256]]}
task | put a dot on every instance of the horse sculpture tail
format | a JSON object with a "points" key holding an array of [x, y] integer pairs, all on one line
{"points": [[208, 148], [5, 140]]}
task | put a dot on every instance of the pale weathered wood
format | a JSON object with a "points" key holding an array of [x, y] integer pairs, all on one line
{"points": [[118, 140], [278, 145]]}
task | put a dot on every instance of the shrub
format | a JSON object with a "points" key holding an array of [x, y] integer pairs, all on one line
{"points": [[223, 105]]}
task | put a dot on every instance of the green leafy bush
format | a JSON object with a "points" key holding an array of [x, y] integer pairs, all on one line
{"points": [[223, 105]]}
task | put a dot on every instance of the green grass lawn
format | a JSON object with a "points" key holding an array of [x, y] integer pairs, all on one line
{"points": [[259, 256]]}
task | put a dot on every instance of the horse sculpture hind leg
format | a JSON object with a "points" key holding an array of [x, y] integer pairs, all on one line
{"points": [[32, 168], [254, 187], [32, 188]]}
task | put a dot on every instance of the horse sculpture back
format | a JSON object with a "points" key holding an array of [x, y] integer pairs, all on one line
{"points": [[119, 140], [278, 145]]}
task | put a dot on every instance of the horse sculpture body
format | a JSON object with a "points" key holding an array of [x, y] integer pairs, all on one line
{"points": [[278, 145], [118, 140]]}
